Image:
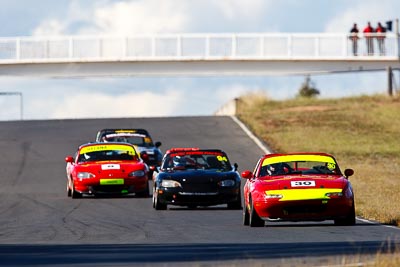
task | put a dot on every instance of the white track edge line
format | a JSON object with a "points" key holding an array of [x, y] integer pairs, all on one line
{"points": [[377, 223], [251, 135]]}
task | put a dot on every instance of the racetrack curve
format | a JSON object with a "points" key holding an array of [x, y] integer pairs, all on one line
{"points": [[40, 225]]}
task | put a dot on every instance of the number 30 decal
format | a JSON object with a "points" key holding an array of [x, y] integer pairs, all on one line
{"points": [[302, 183]]}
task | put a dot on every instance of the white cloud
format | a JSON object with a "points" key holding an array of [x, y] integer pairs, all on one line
{"points": [[49, 27], [120, 18], [150, 16], [234, 9], [101, 105], [361, 12]]}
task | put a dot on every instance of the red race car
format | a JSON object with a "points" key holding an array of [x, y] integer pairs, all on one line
{"points": [[106, 168], [298, 187]]}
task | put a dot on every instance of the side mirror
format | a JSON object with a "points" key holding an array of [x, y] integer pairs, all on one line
{"points": [[69, 159], [247, 174], [158, 144], [235, 166], [348, 172]]}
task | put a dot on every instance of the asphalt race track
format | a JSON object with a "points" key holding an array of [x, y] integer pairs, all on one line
{"points": [[41, 226]]}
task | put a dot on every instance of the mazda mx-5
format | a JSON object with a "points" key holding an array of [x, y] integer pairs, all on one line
{"points": [[298, 187]]}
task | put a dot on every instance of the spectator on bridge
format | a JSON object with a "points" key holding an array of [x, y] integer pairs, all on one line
{"points": [[368, 32], [354, 38], [381, 32]]}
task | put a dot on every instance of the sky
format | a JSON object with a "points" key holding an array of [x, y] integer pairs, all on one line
{"points": [[46, 98]]}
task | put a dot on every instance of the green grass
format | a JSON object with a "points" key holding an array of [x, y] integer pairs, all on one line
{"points": [[363, 133]]}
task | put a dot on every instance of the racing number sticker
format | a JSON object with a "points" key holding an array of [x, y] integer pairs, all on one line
{"points": [[302, 183], [331, 166], [222, 158], [110, 166]]}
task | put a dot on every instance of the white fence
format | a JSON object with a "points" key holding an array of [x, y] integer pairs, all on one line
{"points": [[179, 47]]}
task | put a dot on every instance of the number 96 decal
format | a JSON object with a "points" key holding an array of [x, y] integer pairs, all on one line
{"points": [[302, 183]]}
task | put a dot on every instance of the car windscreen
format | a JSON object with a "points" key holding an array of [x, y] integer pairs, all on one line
{"points": [[134, 139], [106, 153], [300, 165], [197, 160]]}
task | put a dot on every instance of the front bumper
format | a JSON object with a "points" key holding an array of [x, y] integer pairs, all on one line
{"points": [[129, 185], [304, 210], [178, 197]]}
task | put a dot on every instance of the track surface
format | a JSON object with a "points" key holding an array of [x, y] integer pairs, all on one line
{"points": [[40, 225]]}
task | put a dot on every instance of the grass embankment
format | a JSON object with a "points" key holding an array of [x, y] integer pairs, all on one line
{"points": [[363, 133]]}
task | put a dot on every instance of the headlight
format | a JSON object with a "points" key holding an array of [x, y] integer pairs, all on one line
{"points": [[136, 173], [226, 183], [170, 183], [85, 175]]}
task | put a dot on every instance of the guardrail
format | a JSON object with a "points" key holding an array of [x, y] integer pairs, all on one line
{"points": [[180, 47]]}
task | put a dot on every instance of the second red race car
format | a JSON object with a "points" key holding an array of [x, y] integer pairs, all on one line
{"points": [[106, 168], [298, 187]]}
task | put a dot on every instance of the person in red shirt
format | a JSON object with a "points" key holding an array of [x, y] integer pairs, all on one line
{"points": [[368, 32], [380, 31]]}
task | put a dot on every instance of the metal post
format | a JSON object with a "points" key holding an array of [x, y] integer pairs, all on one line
{"points": [[397, 37], [390, 81]]}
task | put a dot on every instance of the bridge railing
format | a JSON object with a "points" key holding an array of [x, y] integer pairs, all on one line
{"points": [[257, 46]]}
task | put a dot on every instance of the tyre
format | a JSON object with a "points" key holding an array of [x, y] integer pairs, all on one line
{"points": [[246, 216], [156, 202], [349, 220], [236, 205], [74, 193], [145, 193], [255, 220], [69, 191], [154, 197]]}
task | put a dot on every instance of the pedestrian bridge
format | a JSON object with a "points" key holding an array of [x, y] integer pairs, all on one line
{"points": [[196, 54]]}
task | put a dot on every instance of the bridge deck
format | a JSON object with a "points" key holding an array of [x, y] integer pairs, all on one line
{"points": [[196, 54]]}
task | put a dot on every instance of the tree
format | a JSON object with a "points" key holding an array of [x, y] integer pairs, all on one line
{"points": [[308, 89]]}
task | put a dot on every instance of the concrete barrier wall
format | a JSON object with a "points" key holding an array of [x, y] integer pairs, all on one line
{"points": [[228, 109]]}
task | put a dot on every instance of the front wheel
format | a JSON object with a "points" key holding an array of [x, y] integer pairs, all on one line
{"points": [[156, 201], [246, 215], [255, 220], [236, 205], [69, 191], [144, 193], [74, 193]]}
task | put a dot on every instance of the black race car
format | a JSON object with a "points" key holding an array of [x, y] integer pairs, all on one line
{"points": [[196, 177], [140, 138]]}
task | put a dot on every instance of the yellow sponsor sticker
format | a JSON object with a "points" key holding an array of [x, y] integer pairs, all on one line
{"points": [[105, 147], [303, 194], [111, 181]]}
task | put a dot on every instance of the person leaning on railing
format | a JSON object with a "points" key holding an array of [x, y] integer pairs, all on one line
{"points": [[380, 37], [368, 33], [354, 38]]}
